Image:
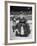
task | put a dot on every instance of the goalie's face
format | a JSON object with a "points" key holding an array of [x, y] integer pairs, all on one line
{"points": [[21, 16]]}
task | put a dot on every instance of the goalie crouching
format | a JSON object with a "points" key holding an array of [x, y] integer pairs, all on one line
{"points": [[21, 28]]}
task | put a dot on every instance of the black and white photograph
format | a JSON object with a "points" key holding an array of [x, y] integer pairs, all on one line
{"points": [[21, 22]]}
